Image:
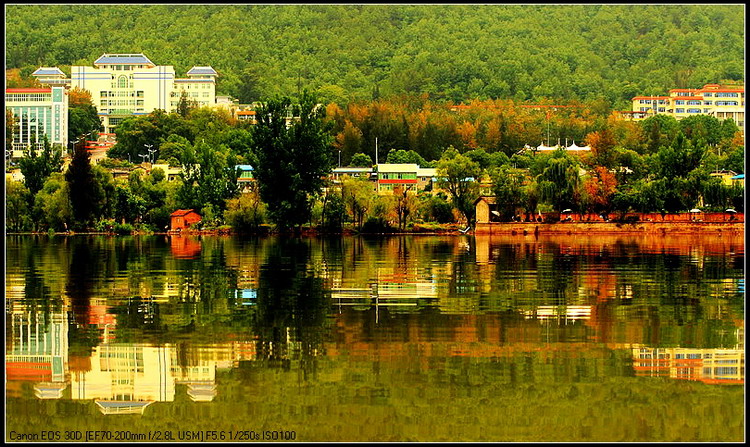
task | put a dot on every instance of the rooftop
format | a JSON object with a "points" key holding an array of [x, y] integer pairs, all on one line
{"points": [[28, 90], [398, 167], [139, 59], [48, 71], [202, 71]]}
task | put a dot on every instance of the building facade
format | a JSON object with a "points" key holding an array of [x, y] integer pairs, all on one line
{"points": [[38, 112], [124, 85], [405, 176], [723, 102]]}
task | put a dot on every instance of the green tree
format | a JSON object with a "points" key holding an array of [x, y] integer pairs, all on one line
{"points": [[83, 121], [558, 183], [209, 177], [53, 203], [507, 186], [333, 211], [402, 156], [36, 168], [11, 128], [246, 213], [135, 135], [18, 213], [459, 175], [83, 118], [404, 206], [174, 147], [250, 89], [361, 160], [292, 161], [84, 194], [358, 195], [185, 105]]}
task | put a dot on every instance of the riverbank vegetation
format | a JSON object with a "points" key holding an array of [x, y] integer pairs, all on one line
{"points": [[391, 88], [648, 166]]}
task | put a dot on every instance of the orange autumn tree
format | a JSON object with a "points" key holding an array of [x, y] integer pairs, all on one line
{"points": [[599, 190], [602, 146], [78, 97]]}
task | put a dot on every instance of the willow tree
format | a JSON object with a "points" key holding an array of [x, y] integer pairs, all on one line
{"points": [[558, 183]]}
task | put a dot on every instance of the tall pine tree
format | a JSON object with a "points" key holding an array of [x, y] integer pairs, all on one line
{"points": [[84, 195]]}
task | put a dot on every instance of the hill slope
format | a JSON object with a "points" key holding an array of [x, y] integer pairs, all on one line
{"points": [[452, 52]]}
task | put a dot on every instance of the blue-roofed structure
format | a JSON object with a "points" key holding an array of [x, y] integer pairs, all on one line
{"points": [[202, 71], [48, 71], [739, 177], [51, 76], [117, 59]]}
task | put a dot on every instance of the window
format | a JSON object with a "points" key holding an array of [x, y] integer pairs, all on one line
{"points": [[122, 82], [680, 111], [707, 103], [707, 95], [693, 102], [693, 110], [680, 102]]}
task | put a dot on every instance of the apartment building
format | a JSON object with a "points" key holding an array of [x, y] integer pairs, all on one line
{"points": [[723, 102], [38, 112]]}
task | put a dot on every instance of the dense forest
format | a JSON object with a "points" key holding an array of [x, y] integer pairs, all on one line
{"points": [[361, 52]]}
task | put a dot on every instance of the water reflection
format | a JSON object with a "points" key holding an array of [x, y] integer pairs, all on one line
{"points": [[132, 324]]}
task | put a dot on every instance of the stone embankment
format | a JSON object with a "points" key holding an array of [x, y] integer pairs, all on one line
{"points": [[610, 227]]}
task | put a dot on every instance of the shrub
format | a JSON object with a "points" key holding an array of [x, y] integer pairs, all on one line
{"points": [[377, 225], [123, 229]]}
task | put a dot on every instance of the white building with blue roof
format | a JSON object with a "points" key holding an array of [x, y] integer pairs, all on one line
{"points": [[124, 85]]}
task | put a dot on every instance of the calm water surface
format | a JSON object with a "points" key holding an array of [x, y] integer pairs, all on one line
{"points": [[420, 338]]}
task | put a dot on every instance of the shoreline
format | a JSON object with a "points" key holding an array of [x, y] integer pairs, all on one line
{"points": [[611, 228], [499, 228]]}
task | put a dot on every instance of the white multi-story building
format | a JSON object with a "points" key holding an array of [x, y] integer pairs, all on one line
{"points": [[38, 112], [124, 85]]}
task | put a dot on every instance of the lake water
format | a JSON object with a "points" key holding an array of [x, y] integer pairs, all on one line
{"points": [[414, 338]]}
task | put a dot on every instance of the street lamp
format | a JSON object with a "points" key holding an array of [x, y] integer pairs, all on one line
{"points": [[144, 157], [339, 159], [73, 144], [150, 151]]}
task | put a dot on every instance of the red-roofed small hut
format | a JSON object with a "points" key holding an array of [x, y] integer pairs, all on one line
{"points": [[183, 219]]}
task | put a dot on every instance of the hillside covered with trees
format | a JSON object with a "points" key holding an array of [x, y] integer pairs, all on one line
{"points": [[361, 52]]}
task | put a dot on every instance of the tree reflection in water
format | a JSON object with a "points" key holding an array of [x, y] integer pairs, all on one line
{"points": [[292, 306]]}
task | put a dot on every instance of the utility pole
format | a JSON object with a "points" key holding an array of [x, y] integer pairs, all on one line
{"points": [[376, 150]]}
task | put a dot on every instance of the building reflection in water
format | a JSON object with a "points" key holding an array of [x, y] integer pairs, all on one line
{"points": [[120, 377], [496, 305], [125, 378], [714, 366]]}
